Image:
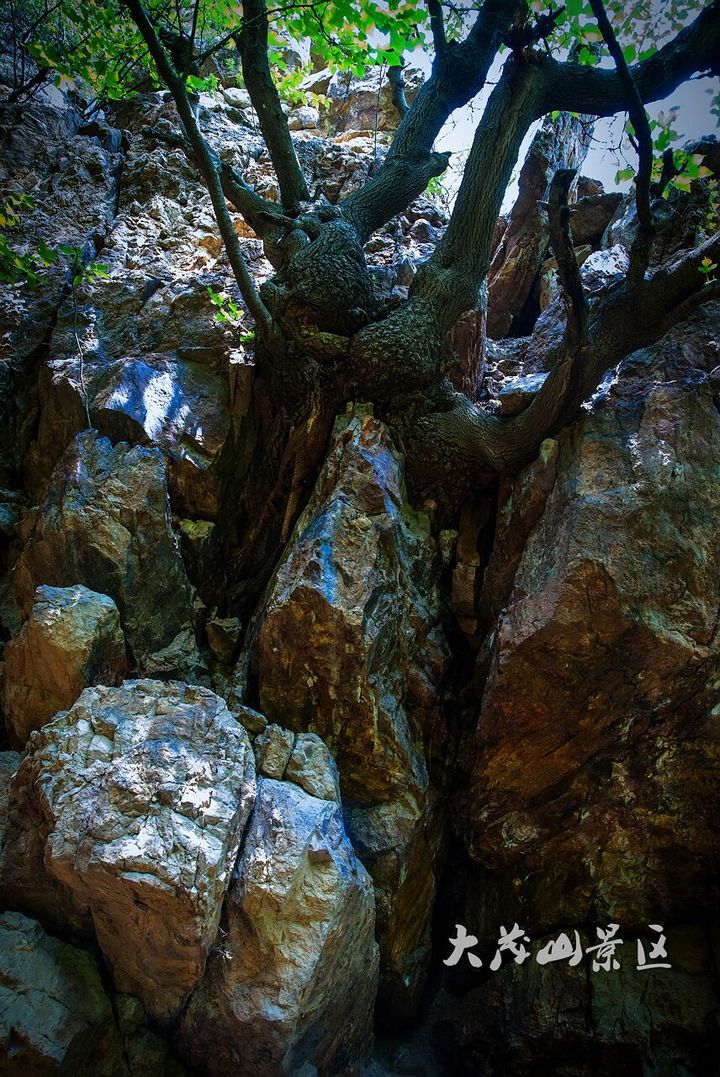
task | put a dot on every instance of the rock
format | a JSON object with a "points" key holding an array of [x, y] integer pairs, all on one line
{"points": [[177, 405], [591, 215], [72, 639], [72, 180], [105, 523], [681, 220], [600, 272], [560, 143], [292, 981], [600, 704], [532, 1018], [24, 882], [305, 118], [223, 634], [366, 104], [273, 748], [180, 659], [54, 1014], [312, 767], [349, 647], [237, 97], [9, 762], [145, 790], [516, 394]]}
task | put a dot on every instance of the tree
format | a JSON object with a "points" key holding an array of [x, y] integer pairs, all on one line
{"points": [[320, 337]]}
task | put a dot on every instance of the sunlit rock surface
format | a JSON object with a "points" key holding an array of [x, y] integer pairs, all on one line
{"points": [[72, 639], [145, 790], [105, 523], [350, 648], [292, 981]]}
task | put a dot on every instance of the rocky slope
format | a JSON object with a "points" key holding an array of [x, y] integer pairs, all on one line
{"points": [[233, 847]]}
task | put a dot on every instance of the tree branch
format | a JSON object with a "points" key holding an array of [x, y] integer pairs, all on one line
{"points": [[209, 167], [634, 316], [397, 81], [562, 247], [437, 26], [640, 253], [577, 88], [253, 47], [459, 73], [451, 278]]}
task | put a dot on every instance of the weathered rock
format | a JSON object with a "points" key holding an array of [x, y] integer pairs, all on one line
{"points": [[177, 405], [273, 748], [24, 883], [292, 980], [560, 143], [598, 734], [349, 647], [312, 767], [145, 790], [305, 118], [180, 660], [223, 634], [591, 215], [9, 762], [72, 639], [237, 97], [71, 176], [366, 104], [54, 1014], [105, 523]]}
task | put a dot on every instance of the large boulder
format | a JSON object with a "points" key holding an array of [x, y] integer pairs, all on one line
{"points": [[145, 790], [292, 981], [350, 648], [72, 639], [363, 104], [105, 523], [598, 733]]}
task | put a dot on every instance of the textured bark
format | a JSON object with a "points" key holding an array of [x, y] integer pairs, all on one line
{"points": [[253, 45]]}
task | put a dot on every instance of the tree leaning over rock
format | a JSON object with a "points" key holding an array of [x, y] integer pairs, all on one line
{"points": [[321, 337]]}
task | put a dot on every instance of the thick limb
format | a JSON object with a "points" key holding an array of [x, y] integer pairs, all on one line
{"points": [[253, 46], [459, 73]]}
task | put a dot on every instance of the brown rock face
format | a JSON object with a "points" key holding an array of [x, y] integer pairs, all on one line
{"points": [[599, 725], [349, 648], [105, 523], [145, 790], [292, 980], [560, 143], [72, 639]]}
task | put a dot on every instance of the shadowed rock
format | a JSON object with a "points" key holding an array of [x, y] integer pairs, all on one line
{"points": [[349, 648], [105, 523]]}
